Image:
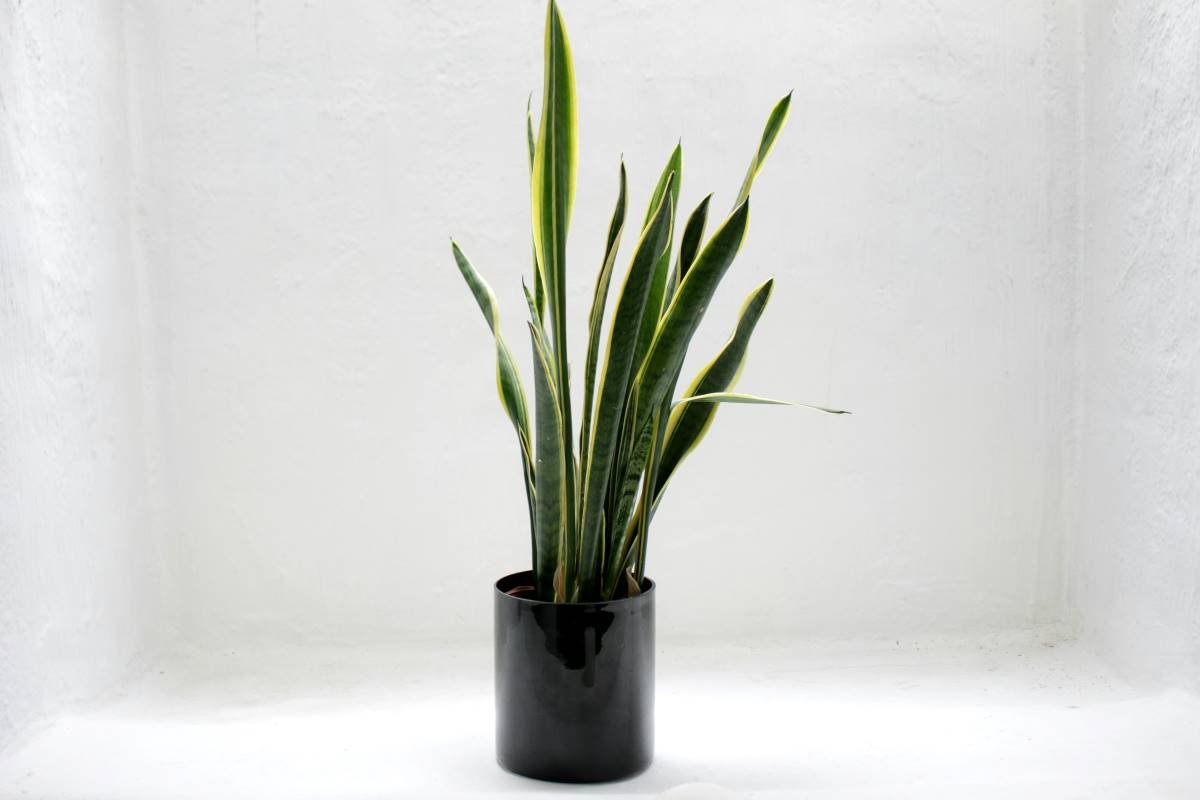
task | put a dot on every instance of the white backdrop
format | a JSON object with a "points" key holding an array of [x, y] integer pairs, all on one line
{"points": [[79, 558], [1136, 546], [337, 466], [244, 393]]}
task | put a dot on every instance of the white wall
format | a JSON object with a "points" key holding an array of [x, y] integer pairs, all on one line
{"points": [[78, 596], [1136, 549], [333, 461], [338, 466]]}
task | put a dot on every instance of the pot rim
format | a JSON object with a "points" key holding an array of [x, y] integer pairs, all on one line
{"points": [[646, 582]]}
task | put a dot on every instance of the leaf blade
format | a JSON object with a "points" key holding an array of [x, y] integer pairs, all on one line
{"points": [[512, 392], [746, 399], [550, 465], [554, 161], [668, 183], [539, 283], [693, 234], [552, 196], [775, 122], [614, 387], [687, 426], [665, 358], [508, 381], [596, 316]]}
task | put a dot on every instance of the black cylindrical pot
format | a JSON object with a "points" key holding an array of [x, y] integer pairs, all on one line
{"points": [[574, 685]]}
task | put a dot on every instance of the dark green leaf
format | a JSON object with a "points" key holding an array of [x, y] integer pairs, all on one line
{"points": [[774, 126], [596, 317], [614, 390], [666, 355], [550, 466]]}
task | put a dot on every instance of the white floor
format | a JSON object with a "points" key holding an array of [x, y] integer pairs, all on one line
{"points": [[1003, 717]]}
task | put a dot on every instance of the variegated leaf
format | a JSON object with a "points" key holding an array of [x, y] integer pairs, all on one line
{"points": [[550, 465], [554, 167], [614, 389], [774, 125], [596, 317]]}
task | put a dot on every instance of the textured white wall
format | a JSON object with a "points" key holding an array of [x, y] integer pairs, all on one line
{"points": [[78, 596], [337, 463], [1136, 547], [334, 464]]}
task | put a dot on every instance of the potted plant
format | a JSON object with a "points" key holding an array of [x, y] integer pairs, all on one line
{"points": [[574, 635]]}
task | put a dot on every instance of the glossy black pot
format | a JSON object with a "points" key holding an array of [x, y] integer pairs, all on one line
{"points": [[574, 685]]}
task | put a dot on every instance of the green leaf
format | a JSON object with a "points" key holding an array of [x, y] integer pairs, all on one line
{"points": [[665, 358], [596, 316], [531, 304], [664, 283], [530, 139], [693, 234], [774, 126], [554, 167], [551, 469], [690, 419], [508, 381], [674, 166], [539, 283], [614, 390], [671, 177], [736, 397], [687, 309], [645, 510], [631, 473], [688, 425], [753, 399]]}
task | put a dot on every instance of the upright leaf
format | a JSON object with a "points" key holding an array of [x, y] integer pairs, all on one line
{"points": [[687, 309], [614, 390], [550, 464], [508, 381], [665, 358], [539, 284], [673, 167], [554, 164], [774, 125], [531, 304], [645, 509], [658, 288], [693, 235], [530, 139], [689, 244], [688, 424], [596, 317]]}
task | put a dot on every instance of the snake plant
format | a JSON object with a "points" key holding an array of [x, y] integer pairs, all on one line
{"points": [[591, 499]]}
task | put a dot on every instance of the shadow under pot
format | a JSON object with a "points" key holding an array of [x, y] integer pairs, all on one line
{"points": [[574, 684]]}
